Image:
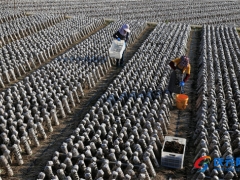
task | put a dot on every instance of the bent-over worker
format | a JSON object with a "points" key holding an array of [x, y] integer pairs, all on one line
{"points": [[180, 75]]}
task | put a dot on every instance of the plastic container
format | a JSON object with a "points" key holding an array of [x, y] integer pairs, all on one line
{"points": [[173, 160], [117, 48], [181, 101]]}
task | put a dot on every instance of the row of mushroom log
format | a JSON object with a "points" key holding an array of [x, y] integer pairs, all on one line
{"points": [[25, 54], [20, 27], [6, 16], [122, 135], [31, 108], [192, 12], [217, 130]]}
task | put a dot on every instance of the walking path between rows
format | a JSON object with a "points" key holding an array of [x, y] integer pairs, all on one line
{"points": [[182, 121]]}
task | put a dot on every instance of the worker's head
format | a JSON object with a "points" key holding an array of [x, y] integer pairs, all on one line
{"points": [[124, 29], [184, 61]]}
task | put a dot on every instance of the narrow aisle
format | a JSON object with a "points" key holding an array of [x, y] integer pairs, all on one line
{"points": [[189, 115], [182, 123], [180, 119]]}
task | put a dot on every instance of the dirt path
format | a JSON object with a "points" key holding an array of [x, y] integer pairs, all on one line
{"points": [[36, 163], [194, 56], [182, 121]]}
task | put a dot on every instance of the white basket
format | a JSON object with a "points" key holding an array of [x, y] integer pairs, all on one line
{"points": [[173, 160], [116, 49]]}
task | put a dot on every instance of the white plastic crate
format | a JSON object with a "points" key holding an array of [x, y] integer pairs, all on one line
{"points": [[116, 49], [173, 160]]}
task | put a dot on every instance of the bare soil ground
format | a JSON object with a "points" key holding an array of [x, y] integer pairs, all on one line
{"points": [[182, 121], [36, 163]]}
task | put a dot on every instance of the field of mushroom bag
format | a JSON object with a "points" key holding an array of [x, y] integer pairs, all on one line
{"points": [[68, 112]]}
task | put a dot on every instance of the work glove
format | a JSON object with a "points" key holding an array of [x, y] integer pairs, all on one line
{"points": [[182, 83], [118, 39]]}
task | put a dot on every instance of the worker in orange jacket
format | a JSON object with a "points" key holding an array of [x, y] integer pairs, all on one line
{"points": [[180, 75]]}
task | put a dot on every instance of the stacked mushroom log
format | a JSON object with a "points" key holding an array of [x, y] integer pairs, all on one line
{"points": [[6, 16], [122, 135], [23, 55], [21, 27], [31, 108], [191, 12], [185, 12], [218, 104]]}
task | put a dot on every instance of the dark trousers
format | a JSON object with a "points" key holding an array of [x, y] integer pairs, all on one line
{"points": [[121, 60], [173, 85]]}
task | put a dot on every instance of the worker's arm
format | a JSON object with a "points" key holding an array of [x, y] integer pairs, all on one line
{"points": [[176, 61], [115, 35], [186, 77], [188, 69], [173, 62], [127, 36]]}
